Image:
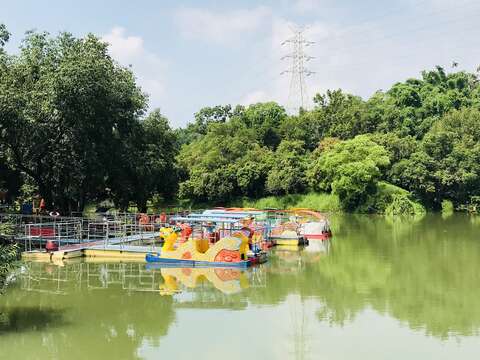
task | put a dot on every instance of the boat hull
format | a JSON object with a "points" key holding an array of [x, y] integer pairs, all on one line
{"points": [[155, 258], [291, 241], [322, 236]]}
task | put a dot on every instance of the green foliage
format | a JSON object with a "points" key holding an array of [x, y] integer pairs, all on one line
{"points": [[71, 126], [447, 165], [4, 35], [66, 105], [206, 116], [287, 173], [234, 157], [351, 169], [341, 115], [273, 202], [264, 120], [320, 202], [147, 165], [401, 205], [381, 198], [316, 201], [8, 255], [447, 207]]}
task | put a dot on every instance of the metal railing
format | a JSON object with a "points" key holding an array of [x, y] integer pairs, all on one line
{"points": [[35, 235]]}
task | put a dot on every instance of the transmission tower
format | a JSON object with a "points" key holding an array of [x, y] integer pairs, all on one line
{"points": [[297, 95]]}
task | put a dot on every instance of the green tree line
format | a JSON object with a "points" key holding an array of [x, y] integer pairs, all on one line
{"points": [[74, 128], [417, 142]]}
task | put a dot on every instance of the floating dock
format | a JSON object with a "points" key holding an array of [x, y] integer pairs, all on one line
{"points": [[114, 248]]}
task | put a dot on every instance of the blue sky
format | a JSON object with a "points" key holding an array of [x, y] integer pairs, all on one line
{"points": [[190, 54]]}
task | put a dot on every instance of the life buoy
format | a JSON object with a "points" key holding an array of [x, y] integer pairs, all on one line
{"points": [[54, 213]]}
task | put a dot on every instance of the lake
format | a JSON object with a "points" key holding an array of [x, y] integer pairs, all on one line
{"points": [[380, 289]]}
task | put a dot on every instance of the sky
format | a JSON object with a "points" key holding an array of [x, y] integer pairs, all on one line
{"points": [[190, 54]]}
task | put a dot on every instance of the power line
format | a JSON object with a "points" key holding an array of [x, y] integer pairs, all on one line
{"points": [[297, 95]]}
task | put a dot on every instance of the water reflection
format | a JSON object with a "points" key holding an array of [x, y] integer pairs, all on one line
{"points": [[23, 318], [416, 277], [67, 276], [423, 273]]}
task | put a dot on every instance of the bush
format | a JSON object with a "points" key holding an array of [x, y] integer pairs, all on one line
{"points": [[8, 255], [447, 207], [382, 198], [402, 205], [351, 169]]}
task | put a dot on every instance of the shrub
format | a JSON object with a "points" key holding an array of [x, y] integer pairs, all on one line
{"points": [[447, 207], [402, 205]]}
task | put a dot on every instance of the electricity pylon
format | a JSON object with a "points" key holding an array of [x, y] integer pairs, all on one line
{"points": [[297, 95]]}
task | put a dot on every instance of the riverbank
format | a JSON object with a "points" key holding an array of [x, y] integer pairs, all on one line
{"points": [[387, 199]]}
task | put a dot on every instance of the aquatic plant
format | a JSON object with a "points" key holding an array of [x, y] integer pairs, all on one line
{"points": [[8, 255]]}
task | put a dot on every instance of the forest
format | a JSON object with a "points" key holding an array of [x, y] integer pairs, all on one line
{"points": [[75, 130]]}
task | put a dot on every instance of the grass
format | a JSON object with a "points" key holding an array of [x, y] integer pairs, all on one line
{"points": [[380, 203], [315, 201]]}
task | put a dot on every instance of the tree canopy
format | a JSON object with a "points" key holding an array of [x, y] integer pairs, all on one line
{"points": [[346, 145], [69, 115]]}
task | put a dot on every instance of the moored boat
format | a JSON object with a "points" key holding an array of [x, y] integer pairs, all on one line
{"points": [[229, 251]]}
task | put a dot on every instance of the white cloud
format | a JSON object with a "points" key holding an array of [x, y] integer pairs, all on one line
{"points": [[255, 97], [148, 67], [277, 87], [220, 27], [123, 48], [308, 5], [371, 55]]}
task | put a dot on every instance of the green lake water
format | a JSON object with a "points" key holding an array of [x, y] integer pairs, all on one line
{"points": [[379, 289]]}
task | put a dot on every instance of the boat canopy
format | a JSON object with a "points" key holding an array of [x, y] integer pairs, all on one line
{"points": [[204, 219], [226, 216], [234, 212]]}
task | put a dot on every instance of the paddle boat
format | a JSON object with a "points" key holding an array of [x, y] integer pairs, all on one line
{"points": [[315, 227], [216, 224], [287, 235], [229, 251]]}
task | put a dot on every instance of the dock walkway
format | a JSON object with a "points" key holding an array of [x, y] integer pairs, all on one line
{"points": [[119, 248]]}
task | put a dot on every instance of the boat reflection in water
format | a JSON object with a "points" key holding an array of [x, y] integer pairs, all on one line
{"points": [[65, 276], [227, 280]]}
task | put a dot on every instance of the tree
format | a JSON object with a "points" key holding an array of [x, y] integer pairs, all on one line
{"points": [[351, 169], [64, 107], [287, 175], [4, 36], [253, 170], [147, 163], [447, 165], [208, 163], [307, 127], [264, 120], [341, 115], [203, 118]]}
